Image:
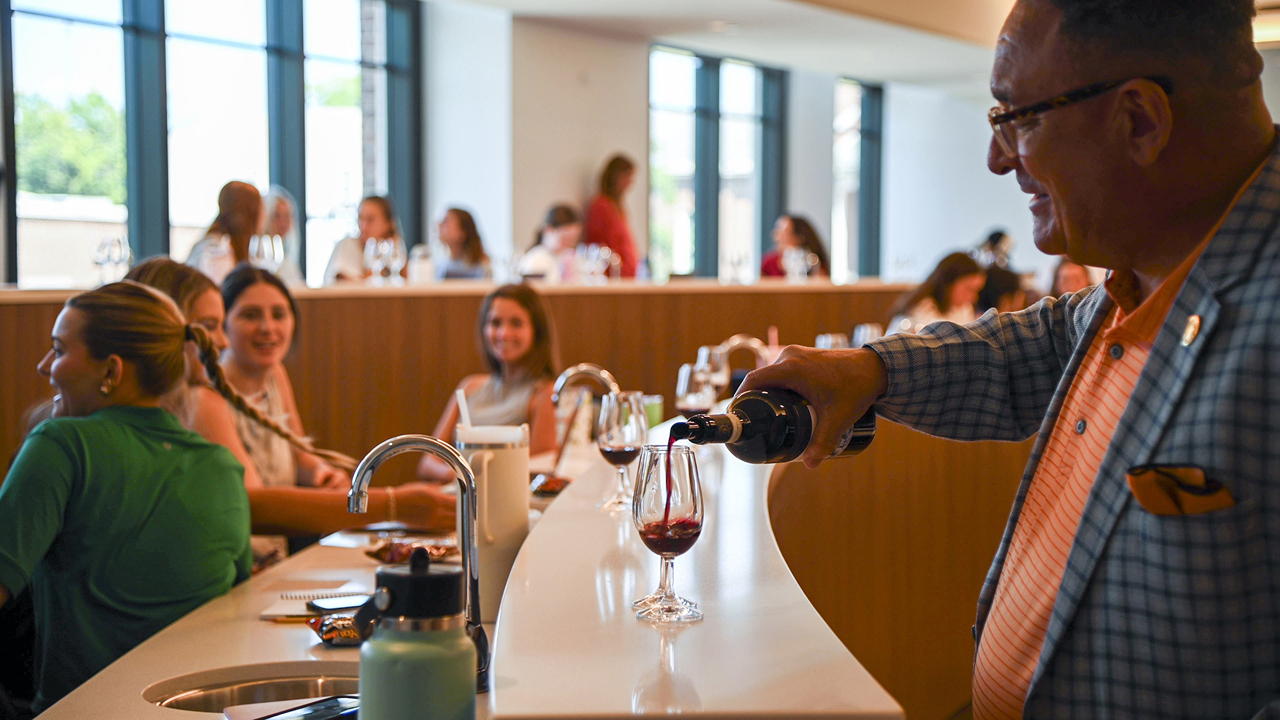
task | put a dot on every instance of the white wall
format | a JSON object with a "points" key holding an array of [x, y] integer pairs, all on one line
{"points": [[1271, 79], [468, 117], [938, 195], [577, 99], [811, 107]]}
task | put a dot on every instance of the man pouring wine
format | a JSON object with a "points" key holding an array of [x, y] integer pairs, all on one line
{"points": [[1139, 575]]}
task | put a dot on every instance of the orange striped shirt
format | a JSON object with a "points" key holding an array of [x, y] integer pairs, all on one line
{"points": [[1015, 630]]}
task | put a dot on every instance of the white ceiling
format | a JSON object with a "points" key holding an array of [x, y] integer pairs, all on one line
{"points": [[781, 33]]}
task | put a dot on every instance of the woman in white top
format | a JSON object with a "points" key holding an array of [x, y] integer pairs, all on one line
{"points": [[552, 258], [949, 293], [376, 220], [226, 242], [275, 509], [280, 219]]}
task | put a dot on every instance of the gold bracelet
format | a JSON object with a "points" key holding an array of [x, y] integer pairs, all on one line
{"points": [[391, 504]]}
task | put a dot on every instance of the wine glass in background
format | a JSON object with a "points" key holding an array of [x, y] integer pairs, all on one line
{"points": [[113, 257], [865, 333], [395, 259], [375, 258], [694, 392], [832, 341], [622, 429], [716, 363], [667, 511]]}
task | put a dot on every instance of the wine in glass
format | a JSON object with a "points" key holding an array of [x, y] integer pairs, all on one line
{"points": [[621, 431], [667, 511]]}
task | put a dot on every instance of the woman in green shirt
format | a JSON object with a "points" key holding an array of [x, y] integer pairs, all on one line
{"points": [[119, 519]]}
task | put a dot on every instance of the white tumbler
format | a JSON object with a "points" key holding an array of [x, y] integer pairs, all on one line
{"points": [[499, 457]]}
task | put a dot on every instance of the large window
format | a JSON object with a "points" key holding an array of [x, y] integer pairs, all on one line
{"points": [[847, 155], [672, 111], [713, 179], [129, 128], [69, 124]]}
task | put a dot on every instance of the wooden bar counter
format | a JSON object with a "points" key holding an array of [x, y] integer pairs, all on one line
{"points": [[372, 362]]}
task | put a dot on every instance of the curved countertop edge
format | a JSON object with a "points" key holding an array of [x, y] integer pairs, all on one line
{"points": [[566, 643]]}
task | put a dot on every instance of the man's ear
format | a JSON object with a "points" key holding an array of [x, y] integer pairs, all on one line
{"points": [[1147, 120]]}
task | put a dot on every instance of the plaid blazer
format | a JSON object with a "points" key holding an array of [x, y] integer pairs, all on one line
{"points": [[1157, 616]]}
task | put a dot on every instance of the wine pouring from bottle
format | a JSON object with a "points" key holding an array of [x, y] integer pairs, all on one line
{"points": [[770, 426]]}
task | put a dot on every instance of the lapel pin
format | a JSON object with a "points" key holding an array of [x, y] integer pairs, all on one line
{"points": [[1190, 332]]}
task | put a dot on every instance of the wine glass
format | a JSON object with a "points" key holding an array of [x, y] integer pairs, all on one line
{"points": [[621, 431], [375, 258], [716, 362], [667, 511], [395, 260], [694, 392]]}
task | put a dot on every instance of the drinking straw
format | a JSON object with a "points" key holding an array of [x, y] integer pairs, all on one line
{"points": [[462, 408]]}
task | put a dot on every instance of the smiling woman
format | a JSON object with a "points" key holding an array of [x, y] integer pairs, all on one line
{"points": [[515, 334], [118, 518]]}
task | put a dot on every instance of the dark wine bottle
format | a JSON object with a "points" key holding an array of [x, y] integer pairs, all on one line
{"points": [[770, 426]]}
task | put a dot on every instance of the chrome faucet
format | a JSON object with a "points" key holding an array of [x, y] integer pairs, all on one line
{"points": [[602, 378], [358, 502], [755, 345]]}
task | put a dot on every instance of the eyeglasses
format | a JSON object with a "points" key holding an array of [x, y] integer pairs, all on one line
{"points": [[1002, 121]]}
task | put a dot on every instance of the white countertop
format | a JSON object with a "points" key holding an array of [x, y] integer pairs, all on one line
{"points": [[567, 643]]}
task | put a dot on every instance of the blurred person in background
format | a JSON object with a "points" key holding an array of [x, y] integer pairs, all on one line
{"points": [[1069, 277], [794, 231], [994, 251], [118, 518], [226, 243], [467, 259], [552, 257], [514, 332], [607, 223], [281, 509], [280, 219], [1002, 292], [375, 220], [949, 293]]}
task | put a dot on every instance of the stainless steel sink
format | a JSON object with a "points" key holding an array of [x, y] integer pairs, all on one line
{"points": [[212, 691]]}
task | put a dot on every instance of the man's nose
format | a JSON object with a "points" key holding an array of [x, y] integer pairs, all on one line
{"points": [[997, 161]]}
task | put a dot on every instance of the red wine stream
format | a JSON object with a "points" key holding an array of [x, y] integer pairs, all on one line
{"points": [[666, 514]]}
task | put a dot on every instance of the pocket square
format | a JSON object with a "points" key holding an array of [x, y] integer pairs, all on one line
{"points": [[1177, 490]]}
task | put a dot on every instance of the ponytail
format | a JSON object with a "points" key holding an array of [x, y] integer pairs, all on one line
{"points": [[208, 354]]}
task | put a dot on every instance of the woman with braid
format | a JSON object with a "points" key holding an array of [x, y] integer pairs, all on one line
{"points": [[283, 509], [118, 518]]}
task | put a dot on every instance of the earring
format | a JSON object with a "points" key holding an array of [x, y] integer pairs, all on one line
{"points": [[106, 388]]}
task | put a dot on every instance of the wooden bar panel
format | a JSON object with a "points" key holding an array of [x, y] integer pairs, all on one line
{"points": [[371, 363], [892, 546]]}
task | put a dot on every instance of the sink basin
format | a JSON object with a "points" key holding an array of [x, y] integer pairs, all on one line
{"points": [[211, 691]]}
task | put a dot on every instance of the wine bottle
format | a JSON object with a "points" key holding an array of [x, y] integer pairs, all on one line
{"points": [[770, 426]]}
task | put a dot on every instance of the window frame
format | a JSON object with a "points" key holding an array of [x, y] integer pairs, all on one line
{"points": [[147, 130], [706, 153]]}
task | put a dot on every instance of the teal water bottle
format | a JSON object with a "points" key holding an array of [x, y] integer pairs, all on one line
{"points": [[418, 663]]}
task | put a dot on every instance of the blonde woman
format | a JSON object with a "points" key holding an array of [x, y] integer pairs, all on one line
{"points": [[118, 518]]}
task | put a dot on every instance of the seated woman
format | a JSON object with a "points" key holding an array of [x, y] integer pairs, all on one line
{"points": [[284, 510], [949, 293], [515, 334], [376, 221], [1002, 292], [794, 231], [118, 518], [467, 258], [552, 258], [280, 219], [239, 214]]}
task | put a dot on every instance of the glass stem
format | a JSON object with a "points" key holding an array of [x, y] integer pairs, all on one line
{"points": [[622, 481], [664, 580]]}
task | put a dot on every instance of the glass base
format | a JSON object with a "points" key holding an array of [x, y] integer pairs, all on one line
{"points": [[674, 610], [655, 598], [616, 504]]}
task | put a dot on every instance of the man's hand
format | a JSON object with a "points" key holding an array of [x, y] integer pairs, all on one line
{"points": [[840, 384]]}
